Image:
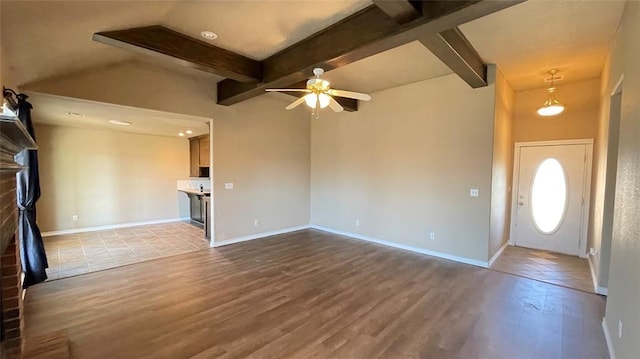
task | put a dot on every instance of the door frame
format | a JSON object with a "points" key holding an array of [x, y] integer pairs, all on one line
{"points": [[586, 189]]}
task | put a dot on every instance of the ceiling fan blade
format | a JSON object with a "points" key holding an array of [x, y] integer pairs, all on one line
{"points": [[335, 105], [287, 90], [295, 103], [350, 94]]}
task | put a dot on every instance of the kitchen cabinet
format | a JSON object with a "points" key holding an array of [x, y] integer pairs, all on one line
{"points": [[204, 151], [199, 156], [194, 165]]}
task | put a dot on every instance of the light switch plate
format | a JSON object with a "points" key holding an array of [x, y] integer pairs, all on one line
{"points": [[474, 192], [228, 185]]}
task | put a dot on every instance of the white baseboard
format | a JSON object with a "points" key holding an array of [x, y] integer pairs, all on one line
{"points": [[594, 278], [112, 226], [250, 237], [497, 254], [607, 338], [383, 242]]}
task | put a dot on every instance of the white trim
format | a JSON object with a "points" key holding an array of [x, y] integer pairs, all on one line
{"points": [[383, 242], [594, 278], [607, 338], [250, 237], [112, 226], [586, 194], [212, 207], [617, 89], [586, 190], [497, 254], [580, 141]]}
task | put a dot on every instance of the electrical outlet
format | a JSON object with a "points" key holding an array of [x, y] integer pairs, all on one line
{"points": [[432, 235], [256, 222], [474, 192], [619, 328], [357, 222], [74, 217], [228, 185]]}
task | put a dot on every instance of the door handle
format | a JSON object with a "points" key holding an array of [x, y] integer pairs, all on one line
{"points": [[521, 203]]}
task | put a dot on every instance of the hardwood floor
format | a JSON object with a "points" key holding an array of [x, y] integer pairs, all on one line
{"points": [[559, 269], [311, 294]]}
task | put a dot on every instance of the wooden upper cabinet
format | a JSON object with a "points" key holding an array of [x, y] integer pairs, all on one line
{"points": [[194, 158], [199, 156], [204, 151]]}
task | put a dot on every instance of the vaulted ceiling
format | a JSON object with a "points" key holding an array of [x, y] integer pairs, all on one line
{"points": [[48, 39]]}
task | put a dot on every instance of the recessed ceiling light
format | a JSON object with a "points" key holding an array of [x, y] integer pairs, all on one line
{"points": [[75, 114], [209, 35], [181, 134], [120, 123], [188, 132]]}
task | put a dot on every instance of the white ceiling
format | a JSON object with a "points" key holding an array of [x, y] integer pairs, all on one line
{"points": [[258, 29], [72, 112], [44, 39], [529, 39], [47, 39], [400, 66]]}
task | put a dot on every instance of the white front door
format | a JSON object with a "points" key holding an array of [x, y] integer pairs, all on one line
{"points": [[550, 194]]}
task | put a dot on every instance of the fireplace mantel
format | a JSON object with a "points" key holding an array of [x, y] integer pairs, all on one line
{"points": [[14, 138]]}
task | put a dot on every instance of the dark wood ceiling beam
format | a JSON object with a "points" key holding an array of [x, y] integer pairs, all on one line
{"points": [[450, 46], [401, 11], [453, 48], [164, 43], [349, 104], [363, 34]]}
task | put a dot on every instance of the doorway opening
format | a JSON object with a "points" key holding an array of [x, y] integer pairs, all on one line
{"points": [[549, 213]]}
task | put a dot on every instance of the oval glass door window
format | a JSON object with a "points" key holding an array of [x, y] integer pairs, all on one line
{"points": [[548, 196]]}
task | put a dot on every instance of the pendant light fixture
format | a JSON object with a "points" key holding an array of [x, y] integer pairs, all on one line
{"points": [[552, 106]]}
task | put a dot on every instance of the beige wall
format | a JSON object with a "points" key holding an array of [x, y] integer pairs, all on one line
{"points": [[624, 281], [603, 188], [137, 84], [403, 166], [501, 177], [107, 177], [264, 151], [260, 147], [579, 120]]}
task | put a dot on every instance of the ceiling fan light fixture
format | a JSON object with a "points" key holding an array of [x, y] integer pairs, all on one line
{"points": [[551, 107], [312, 98]]}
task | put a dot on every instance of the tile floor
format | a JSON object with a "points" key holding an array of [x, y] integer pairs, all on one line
{"points": [[81, 253], [567, 271]]}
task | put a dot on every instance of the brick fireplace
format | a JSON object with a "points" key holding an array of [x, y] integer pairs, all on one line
{"points": [[12, 309], [13, 138]]}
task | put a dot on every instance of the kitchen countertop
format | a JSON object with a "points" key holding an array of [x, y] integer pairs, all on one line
{"points": [[206, 192]]}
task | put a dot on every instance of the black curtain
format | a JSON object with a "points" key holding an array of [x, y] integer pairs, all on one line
{"points": [[32, 254]]}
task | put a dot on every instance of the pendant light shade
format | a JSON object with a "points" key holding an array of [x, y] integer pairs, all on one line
{"points": [[551, 107]]}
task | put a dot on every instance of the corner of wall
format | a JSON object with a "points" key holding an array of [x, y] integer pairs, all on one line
{"points": [[502, 161]]}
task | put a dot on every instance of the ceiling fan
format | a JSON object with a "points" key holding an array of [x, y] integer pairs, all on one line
{"points": [[320, 95]]}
